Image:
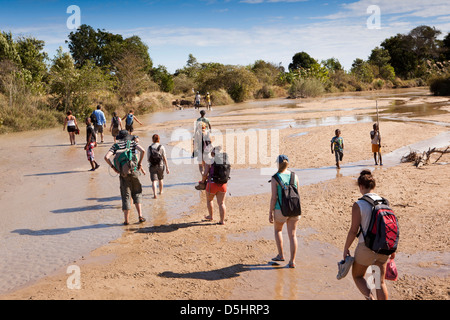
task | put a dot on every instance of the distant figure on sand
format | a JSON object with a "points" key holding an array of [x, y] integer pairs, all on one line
{"points": [[101, 122], [364, 257], [129, 121], [72, 127], [208, 101], [337, 147], [376, 144], [157, 161], [130, 186], [91, 143], [276, 216], [197, 100], [216, 176], [116, 126]]}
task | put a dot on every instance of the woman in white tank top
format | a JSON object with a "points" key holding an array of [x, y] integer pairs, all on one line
{"points": [[364, 257]]}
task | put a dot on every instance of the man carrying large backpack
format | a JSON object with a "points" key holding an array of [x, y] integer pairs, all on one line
{"points": [[127, 165]]}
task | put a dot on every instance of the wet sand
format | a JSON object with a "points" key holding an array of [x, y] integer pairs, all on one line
{"points": [[67, 214]]}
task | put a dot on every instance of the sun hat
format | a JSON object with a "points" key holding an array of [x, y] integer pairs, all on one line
{"points": [[344, 267], [123, 134]]}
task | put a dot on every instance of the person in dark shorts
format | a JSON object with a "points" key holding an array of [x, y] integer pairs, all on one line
{"points": [[72, 127], [129, 121], [157, 164], [130, 186]]}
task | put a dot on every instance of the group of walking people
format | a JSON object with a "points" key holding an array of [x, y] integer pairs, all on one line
{"points": [[212, 162]]}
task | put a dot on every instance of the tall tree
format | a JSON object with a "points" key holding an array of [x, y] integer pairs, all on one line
{"points": [[301, 60]]}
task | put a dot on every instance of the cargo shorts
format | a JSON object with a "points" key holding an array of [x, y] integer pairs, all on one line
{"points": [[130, 188]]}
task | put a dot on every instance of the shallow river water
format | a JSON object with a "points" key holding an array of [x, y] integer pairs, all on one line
{"points": [[53, 211]]}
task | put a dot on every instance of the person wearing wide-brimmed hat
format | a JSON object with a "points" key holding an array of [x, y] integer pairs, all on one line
{"points": [[130, 186]]}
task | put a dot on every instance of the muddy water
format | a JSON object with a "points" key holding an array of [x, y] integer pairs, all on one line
{"points": [[54, 211]]}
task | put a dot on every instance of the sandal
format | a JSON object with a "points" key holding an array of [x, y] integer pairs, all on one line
{"points": [[278, 259], [142, 220]]}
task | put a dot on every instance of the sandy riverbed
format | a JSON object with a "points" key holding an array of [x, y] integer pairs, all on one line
{"points": [[189, 258]]}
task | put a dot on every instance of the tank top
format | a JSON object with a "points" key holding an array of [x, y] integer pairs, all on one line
{"points": [[366, 214], [71, 122]]}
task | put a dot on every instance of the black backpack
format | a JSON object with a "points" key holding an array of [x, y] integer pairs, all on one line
{"points": [[93, 119], [155, 156], [115, 122], [290, 199], [221, 169], [383, 233]]}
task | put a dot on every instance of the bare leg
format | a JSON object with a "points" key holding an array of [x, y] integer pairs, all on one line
{"points": [[278, 228], [209, 203], [292, 233], [358, 272], [161, 186], [154, 189], [222, 208]]}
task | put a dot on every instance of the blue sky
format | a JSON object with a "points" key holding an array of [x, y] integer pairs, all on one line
{"points": [[231, 31]]}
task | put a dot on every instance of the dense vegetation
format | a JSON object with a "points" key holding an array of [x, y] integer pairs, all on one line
{"points": [[101, 67]]}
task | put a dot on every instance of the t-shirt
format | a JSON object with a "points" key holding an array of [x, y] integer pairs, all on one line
{"points": [[90, 131], [122, 144], [286, 179], [204, 120], [338, 143], [101, 120], [375, 137], [366, 213], [162, 151]]}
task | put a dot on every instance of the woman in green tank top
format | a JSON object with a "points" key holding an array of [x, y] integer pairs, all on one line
{"points": [[277, 218]]}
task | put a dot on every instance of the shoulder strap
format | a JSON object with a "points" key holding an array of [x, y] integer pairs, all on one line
{"points": [[277, 179], [292, 182]]}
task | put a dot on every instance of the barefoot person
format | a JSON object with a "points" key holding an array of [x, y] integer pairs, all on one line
{"points": [[72, 127], [376, 144], [130, 186], [364, 257], [337, 147], [217, 174], [157, 160], [91, 144], [276, 217]]}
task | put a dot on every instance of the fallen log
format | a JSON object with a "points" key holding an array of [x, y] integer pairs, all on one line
{"points": [[423, 159]]}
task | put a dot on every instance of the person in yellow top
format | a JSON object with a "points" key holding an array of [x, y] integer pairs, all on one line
{"points": [[208, 101]]}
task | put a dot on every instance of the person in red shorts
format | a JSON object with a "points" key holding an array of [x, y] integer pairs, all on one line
{"points": [[214, 189]]}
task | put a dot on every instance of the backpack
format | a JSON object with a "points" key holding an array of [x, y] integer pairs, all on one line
{"points": [[93, 119], [115, 122], [290, 199], [130, 119], [125, 161], [155, 156], [383, 232], [221, 169]]}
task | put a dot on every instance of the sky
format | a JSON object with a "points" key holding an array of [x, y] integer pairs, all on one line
{"points": [[236, 32]]}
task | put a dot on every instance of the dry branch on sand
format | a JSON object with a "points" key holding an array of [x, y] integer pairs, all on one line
{"points": [[423, 159]]}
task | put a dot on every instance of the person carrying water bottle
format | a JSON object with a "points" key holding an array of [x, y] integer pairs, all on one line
{"points": [[130, 118]]}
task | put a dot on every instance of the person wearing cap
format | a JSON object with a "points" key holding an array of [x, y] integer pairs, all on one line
{"points": [[197, 100], [130, 186], [276, 217]]}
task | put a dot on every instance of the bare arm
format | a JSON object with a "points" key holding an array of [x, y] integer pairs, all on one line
{"points": [[353, 232], [273, 199]]}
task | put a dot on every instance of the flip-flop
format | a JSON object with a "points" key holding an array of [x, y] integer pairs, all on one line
{"points": [[278, 259], [208, 219]]}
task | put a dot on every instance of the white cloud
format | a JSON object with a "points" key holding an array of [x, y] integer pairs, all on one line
{"points": [[412, 8]]}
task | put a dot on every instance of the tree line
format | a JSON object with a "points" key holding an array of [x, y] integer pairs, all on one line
{"points": [[102, 67]]}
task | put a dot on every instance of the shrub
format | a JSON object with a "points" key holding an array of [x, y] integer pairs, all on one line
{"points": [[304, 88], [440, 86]]}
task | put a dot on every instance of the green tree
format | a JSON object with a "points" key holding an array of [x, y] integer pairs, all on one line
{"points": [[163, 78], [301, 60], [332, 65], [361, 69]]}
